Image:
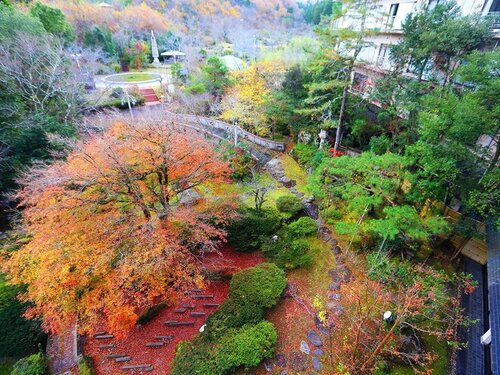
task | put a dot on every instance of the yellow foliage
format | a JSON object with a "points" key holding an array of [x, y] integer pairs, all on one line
{"points": [[246, 101]]}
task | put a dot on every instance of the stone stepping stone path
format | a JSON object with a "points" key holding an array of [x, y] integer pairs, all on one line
{"points": [[314, 338], [107, 346], [166, 337], [136, 367], [113, 356], [200, 296], [211, 305], [339, 275], [154, 344], [123, 359], [188, 306], [180, 311], [104, 337], [197, 313]]}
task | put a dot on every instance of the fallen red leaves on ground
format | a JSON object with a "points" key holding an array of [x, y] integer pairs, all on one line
{"points": [[134, 345]]}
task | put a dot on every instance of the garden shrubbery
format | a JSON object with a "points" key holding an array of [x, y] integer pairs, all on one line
{"points": [[308, 155], [289, 204], [236, 334], [33, 365], [305, 226], [292, 250], [86, 366], [246, 234], [18, 336]]}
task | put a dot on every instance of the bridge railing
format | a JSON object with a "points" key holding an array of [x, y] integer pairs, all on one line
{"points": [[217, 124]]}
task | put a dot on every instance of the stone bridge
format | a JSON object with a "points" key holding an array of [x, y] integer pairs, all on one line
{"points": [[260, 148]]}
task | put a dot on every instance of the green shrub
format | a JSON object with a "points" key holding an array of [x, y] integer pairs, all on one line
{"points": [[231, 314], [18, 336], [289, 204], [151, 313], [247, 347], [247, 233], [32, 365], [235, 335], [305, 226], [86, 366], [261, 285], [291, 251], [196, 88], [309, 155], [244, 347]]}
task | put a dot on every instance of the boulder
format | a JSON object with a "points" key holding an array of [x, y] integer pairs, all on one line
{"points": [[314, 338]]}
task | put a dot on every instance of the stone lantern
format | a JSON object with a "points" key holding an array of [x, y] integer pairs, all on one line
{"points": [[322, 138]]}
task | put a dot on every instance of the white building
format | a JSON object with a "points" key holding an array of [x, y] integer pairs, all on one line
{"points": [[387, 19]]}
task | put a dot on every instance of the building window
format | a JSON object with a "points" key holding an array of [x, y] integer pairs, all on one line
{"points": [[392, 15], [383, 54], [433, 3], [360, 83]]}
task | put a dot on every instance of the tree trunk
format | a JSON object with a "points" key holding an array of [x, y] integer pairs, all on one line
{"points": [[340, 124]]}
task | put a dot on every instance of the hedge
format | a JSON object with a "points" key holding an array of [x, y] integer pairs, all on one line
{"points": [[289, 204], [235, 335], [247, 233], [33, 365], [244, 347], [18, 336]]}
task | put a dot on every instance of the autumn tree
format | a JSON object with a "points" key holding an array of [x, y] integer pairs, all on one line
{"points": [[118, 226], [421, 304]]}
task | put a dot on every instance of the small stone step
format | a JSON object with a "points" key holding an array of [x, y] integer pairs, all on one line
{"points": [[180, 311], [170, 322], [211, 305], [103, 337], [197, 313], [112, 356], [177, 324], [135, 367], [199, 296], [107, 346], [167, 337], [188, 306], [123, 359], [99, 333], [196, 290], [154, 344], [148, 369]]}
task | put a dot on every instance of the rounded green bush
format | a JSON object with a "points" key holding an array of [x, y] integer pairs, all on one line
{"points": [[261, 285], [247, 347], [246, 234], [305, 226], [289, 204], [232, 314], [32, 365]]}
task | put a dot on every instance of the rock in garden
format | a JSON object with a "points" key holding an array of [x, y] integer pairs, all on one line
{"points": [[280, 360], [304, 348], [318, 352], [312, 211], [317, 364], [268, 365], [314, 338], [320, 326], [334, 286]]}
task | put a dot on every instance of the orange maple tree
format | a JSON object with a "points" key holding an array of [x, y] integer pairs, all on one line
{"points": [[118, 226]]}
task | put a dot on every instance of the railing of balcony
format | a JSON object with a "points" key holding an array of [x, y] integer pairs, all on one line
{"points": [[494, 18]]}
